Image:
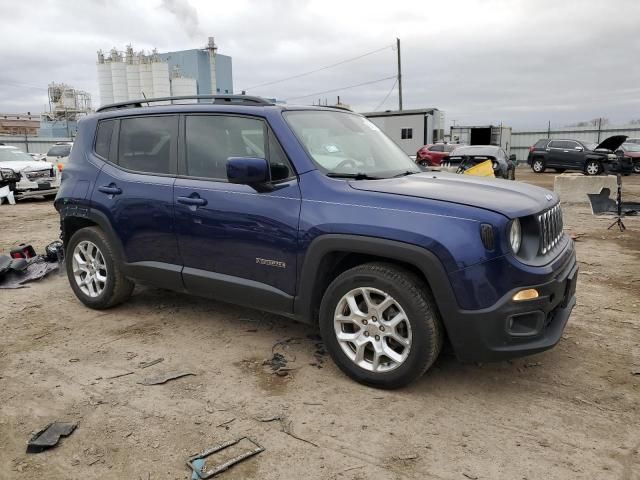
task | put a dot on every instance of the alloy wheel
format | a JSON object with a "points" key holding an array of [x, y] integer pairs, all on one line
{"points": [[537, 166], [372, 329], [593, 168], [89, 268]]}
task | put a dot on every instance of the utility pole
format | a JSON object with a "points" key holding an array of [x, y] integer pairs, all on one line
{"points": [[399, 75]]}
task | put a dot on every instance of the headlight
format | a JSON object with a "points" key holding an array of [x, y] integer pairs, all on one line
{"points": [[515, 236], [8, 174]]}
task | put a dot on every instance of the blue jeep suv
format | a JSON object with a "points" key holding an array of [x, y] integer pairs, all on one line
{"points": [[314, 214]]}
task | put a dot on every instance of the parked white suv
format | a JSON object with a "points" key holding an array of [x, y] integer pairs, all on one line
{"points": [[25, 176]]}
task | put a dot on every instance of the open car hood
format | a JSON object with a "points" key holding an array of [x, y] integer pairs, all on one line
{"points": [[612, 143], [512, 199]]}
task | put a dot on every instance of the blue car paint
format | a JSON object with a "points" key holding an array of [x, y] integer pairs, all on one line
{"points": [[237, 225]]}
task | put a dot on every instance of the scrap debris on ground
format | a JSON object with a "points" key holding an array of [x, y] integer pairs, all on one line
{"points": [[49, 436]]}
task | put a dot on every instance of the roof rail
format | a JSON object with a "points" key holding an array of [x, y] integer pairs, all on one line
{"points": [[217, 99]]}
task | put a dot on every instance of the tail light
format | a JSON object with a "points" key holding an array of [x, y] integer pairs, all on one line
{"points": [[59, 167]]}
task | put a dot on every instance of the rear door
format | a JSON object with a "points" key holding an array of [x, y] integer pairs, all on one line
{"points": [[134, 191], [574, 155], [237, 243]]}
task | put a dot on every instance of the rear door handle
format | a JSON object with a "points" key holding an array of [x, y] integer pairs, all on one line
{"points": [[192, 200], [110, 189]]}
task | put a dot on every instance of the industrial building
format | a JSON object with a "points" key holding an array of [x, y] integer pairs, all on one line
{"points": [[133, 75], [19, 123], [66, 106], [410, 129]]}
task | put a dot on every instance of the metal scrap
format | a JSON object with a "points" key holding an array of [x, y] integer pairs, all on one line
{"points": [[198, 466], [163, 378], [151, 363], [49, 436]]}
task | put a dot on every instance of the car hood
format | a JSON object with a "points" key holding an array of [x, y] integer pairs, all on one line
{"points": [[612, 143], [512, 199], [26, 165]]}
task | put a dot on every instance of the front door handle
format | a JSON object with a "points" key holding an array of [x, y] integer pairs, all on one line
{"points": [[193, 200], [110, 189]]}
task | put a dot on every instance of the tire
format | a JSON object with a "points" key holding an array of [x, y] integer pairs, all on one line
{"points": [[537, 165], [423, 163], [90, 252], [409, 300], [592, 167], [560, 170], [636, 167]]}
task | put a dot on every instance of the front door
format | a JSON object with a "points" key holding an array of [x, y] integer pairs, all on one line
{"points": [[135, 192], [237, 243]]}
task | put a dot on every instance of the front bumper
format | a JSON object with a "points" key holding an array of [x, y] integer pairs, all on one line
{"points": [[510, 329]]}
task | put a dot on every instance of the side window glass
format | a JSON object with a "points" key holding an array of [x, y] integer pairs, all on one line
{"points": [[437, 148], [146, 143], [555, 144], [278, 162], [103, 138], [212, 139]]}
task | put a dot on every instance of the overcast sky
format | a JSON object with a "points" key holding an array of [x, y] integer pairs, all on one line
{"points": [[485, 61]]}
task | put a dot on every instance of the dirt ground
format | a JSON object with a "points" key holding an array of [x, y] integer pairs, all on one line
{"points": [[572, 412]]}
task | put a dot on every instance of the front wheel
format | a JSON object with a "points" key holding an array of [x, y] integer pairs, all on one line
{"points": [[538, 166], [380, 325], [636, 167], [93, 269], [592, 167]]}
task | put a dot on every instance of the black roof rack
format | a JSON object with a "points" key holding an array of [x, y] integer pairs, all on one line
{"points": [[217, 99]]}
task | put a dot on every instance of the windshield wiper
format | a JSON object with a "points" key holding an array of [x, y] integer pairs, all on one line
{"points": [[354, 176], [405, 173]]}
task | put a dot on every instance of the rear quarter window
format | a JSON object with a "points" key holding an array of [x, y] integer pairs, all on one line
{"points": [[103, 138], [541, 143]]}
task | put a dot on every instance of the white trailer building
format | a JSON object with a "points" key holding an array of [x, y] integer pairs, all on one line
{"points": [[410, 129]]}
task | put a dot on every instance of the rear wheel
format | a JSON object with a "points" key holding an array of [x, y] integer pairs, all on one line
{"points": [[380, 325], [538, 165], [592, 167], [636, 167], [423, 163], [93, 269]]}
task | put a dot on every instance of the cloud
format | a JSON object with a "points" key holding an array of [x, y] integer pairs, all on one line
{"points": [[520, 62]]}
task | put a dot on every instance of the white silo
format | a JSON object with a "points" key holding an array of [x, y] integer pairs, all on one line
{"points": [[183, 86], [105, 84], [133, 75], [146, 78], [119, 78], [160, 73]]}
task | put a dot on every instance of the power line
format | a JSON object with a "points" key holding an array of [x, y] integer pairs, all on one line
{"points": [[342, 88], [21, 85], [321, 68], [385, 98]]}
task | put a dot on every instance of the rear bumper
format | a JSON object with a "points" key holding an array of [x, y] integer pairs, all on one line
{"points": [[510, 329]]}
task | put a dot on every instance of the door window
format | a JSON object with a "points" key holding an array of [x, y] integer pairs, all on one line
{"points": [[146, 144], [436, 148]]}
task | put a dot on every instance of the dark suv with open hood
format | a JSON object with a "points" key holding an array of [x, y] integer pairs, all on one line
{"points": [[315, 214], [564, 155]]}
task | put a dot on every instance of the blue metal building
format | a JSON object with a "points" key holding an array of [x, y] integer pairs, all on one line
{"points": [[195, 64]]}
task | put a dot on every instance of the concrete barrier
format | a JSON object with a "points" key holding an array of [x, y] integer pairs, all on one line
{"points": [[573, 187]]}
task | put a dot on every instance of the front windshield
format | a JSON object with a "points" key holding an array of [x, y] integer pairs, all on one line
{"points": [[59, 151], [13, 154], [342, 143]]}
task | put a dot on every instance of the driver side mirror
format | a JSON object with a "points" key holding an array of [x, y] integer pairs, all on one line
{"points": [[577, 149], [247, 170]]}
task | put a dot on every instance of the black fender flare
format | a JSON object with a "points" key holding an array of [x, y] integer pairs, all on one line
{"points": [[426, 261]]}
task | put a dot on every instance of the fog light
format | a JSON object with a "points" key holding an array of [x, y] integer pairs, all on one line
{"points": [[528, 294]]}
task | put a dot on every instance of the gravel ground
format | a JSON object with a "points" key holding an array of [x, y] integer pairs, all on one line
{"points": [[572, 412]]}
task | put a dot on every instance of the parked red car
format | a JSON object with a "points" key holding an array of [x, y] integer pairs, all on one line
{"points": [[632, 151], [431, 155]]}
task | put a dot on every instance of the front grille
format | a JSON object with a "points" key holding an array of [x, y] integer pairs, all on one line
{"points": [[40, 174], [550, 225]]}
